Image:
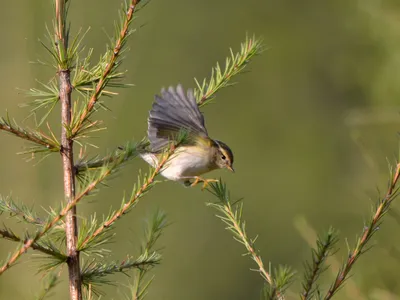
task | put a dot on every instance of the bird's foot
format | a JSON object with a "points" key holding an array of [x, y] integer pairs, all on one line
{"points": [[205, 181]]}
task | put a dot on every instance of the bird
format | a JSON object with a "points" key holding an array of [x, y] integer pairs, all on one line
{"points": [[172, 112]]}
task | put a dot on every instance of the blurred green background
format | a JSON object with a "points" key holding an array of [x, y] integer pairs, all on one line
{"points": [[311, 126]]}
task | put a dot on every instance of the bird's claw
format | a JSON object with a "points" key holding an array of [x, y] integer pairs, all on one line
{"points": [[205, 181]]}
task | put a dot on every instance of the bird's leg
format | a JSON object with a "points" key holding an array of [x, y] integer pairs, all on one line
{"points": [[205, 181]]}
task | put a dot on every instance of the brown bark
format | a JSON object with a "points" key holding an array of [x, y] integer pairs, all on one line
{"points": [[71, 229]]}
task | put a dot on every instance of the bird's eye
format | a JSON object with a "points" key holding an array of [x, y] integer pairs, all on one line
{"points": [[223, 157]]}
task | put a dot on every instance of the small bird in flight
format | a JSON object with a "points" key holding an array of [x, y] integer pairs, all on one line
{"points": [[174, 111]]}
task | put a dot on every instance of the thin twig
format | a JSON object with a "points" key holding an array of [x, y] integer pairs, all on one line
{"points": [[372, 227], [9, 206], [319, 255], [310, 236], [37, 138], [233, 66], [152, 232], [12, 237], [125, 153], [111, 64], [131, 201], [233, 219], [95, 272], [29, 243], [248, 245], [314, 275]]}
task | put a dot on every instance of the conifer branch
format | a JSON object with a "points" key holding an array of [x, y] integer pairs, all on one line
{"points": [[138, 289], [50, 224], [283, 277], [94, 273], [86, 77], [153, 231], [233, 220], [121, 154], [232, 217], [44, 142], [127, 205], [47, 97], [22, 212], [318, 259], [7, 234], [307, 232], [234, 65], [370, 228], [110, 67], [106, 171]]}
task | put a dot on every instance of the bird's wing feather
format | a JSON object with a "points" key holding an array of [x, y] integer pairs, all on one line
{"points": [[173, 111]]}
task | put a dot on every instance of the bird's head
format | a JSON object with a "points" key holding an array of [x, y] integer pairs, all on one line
{"points": [[223, 156]]}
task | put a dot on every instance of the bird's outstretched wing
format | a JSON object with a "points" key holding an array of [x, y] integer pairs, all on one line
{"points": [[172, 112]]}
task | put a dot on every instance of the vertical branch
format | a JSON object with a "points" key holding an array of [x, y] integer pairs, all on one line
{"points": [[69, 187], [71, 229]]}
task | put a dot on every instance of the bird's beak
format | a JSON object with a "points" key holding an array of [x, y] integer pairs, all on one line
{"points": [[230, 168]]}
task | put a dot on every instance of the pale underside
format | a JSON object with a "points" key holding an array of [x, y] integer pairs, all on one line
{"points": [[186, 163]]}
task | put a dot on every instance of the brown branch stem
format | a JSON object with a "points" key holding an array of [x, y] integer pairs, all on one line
{"points": [[111, 64], [248, 246], [71, 228], [29, 136], [367, 234], [67, 153], [316, 268], [31, 241], [11, 237], [227, 76], [131, 201]]}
